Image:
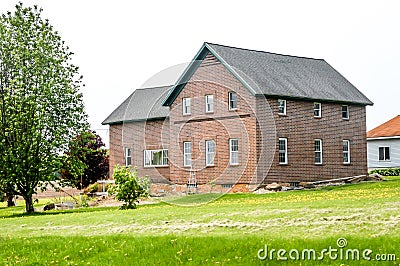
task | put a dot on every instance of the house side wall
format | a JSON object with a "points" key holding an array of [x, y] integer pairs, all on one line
{"points": [[373, 153], [139, 136], [301, 128], [116, 147], [221, 125]]}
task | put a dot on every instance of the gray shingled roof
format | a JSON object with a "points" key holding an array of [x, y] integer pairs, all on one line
{"points": [[262, 73], [282, 75], [142, 104], [277, 75]]}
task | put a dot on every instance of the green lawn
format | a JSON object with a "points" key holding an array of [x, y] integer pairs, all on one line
{"points": [[228, 231]]}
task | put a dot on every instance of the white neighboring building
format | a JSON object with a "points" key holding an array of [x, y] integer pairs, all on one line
{"points": [[383, 145]]}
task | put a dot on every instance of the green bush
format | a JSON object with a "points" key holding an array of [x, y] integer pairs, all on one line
{"points": [[92, 188], [387, 172], [85, 201], [129, 187]]}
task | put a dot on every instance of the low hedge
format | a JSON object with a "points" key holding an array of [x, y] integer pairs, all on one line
{"points": [[387, 171]]}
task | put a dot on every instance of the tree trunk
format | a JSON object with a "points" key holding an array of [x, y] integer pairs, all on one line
{"points": [[29, 204], [10, 200]]}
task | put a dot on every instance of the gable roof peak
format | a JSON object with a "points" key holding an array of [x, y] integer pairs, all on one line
{"points": [[209, 44]]}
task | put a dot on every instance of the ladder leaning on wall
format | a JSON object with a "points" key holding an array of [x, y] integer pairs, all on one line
{"points": [[191, 183]]}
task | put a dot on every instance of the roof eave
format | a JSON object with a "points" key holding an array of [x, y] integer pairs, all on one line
{"points": [[313, 99], [383, 138], [115, 110], [135, 120]]}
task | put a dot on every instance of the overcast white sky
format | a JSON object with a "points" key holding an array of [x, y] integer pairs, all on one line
{"points": [[119, 45]]}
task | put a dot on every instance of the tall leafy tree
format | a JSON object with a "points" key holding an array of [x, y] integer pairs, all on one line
{"points": [[86, 161], [41, 108]]}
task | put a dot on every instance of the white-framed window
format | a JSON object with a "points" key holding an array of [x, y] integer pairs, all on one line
{"points": [[384, 153], [317, 110], [233, 151], [345, 112], [283, 158], [281, 107], [232, 97], [210, 152], [187, 154], [128, 156], [318, 151], [186, 106], [346, 151], [154, 158], [209, 103]]}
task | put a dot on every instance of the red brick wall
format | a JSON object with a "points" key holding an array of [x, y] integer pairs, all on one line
{"points": [[221, 125], [116, 147], [139, 136], [301, 128]]}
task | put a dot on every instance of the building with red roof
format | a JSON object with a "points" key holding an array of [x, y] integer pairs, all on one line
{"points": [[384, 145]]}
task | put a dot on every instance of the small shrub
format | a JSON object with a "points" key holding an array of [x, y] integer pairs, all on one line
{"points": [[387, 172], [85, 201], [92, 188], [129, 187]]}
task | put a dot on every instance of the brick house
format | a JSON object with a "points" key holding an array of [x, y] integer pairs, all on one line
{"points": [[238, 118]]}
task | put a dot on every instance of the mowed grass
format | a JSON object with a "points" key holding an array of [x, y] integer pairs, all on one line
{"points": [[227, 231]]}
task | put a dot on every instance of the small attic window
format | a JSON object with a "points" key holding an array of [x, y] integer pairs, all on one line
{"points": [[232, 97], [317, 110], [345, 112], [281, 107], [186, 106]]}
